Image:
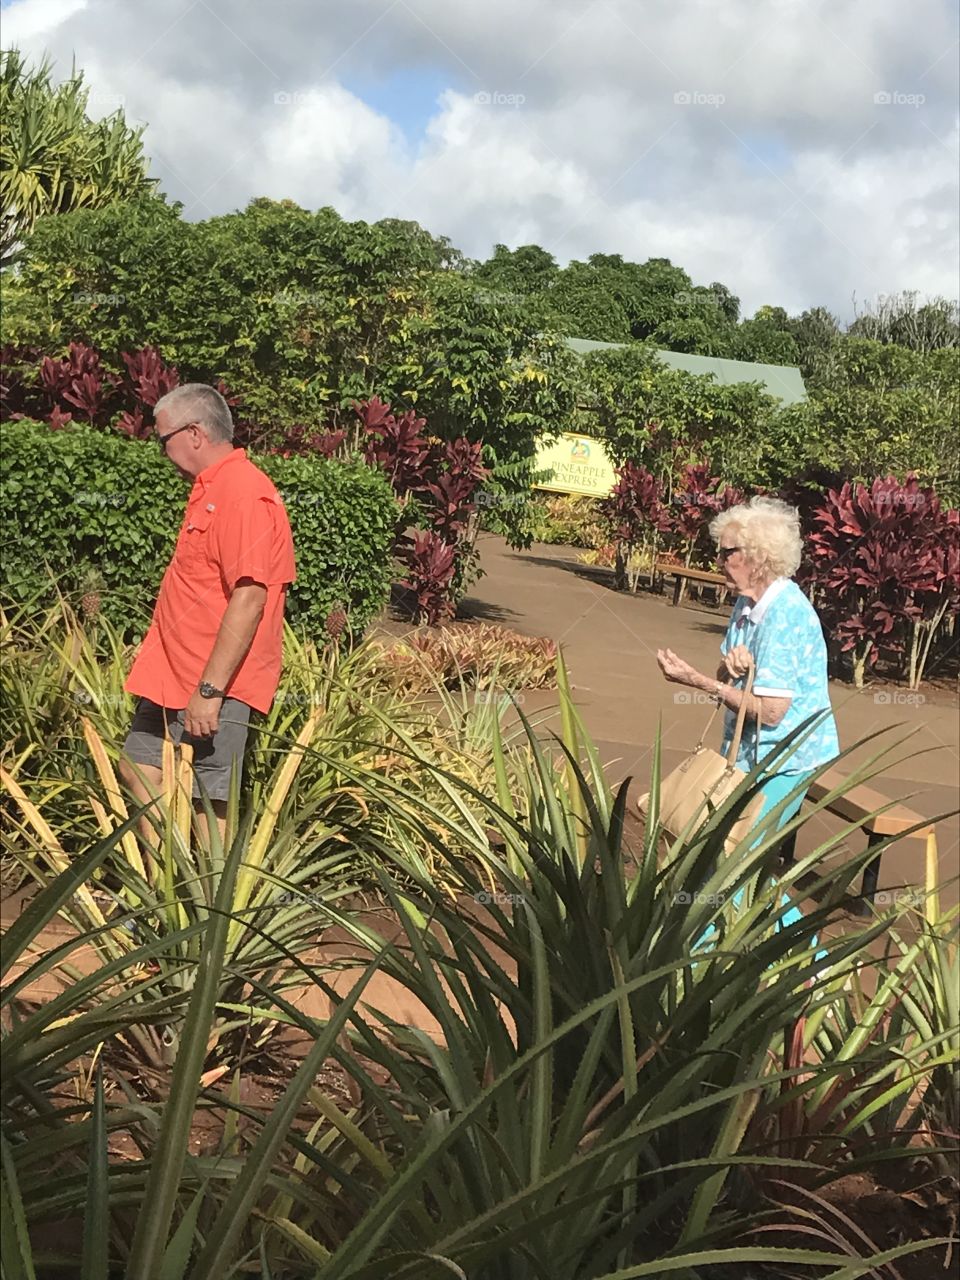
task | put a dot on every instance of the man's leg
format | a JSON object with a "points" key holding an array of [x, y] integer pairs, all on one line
{"points": [[141, 764], [144, 782], [214, 760]]}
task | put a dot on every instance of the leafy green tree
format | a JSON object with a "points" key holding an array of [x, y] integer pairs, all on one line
{"points": [[766, 339], [523, 271], [53, 157], [655, 416], [888, 409], [818, 337]]}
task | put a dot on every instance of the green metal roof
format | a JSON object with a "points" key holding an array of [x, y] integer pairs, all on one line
{"points": [[781, 380]]}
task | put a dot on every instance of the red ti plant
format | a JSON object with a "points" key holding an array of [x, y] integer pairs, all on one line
{"points": [[697, 497], [395, 445], [431, 567], [438, 481], [78, 379], [450, 497], [148, 377], [637, 516], [883, 566]]}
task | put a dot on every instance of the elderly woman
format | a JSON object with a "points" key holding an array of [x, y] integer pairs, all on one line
{"points": [[759, 549]]}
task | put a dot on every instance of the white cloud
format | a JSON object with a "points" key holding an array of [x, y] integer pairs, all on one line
{"points": [[782, 176]]}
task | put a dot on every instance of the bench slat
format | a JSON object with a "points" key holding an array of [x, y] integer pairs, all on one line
{"points": [[698, 575], [860, 801]]}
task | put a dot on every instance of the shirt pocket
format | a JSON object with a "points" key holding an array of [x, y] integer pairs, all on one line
{"points": [[195, 540]]}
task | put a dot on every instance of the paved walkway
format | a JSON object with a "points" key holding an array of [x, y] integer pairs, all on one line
{"points": [[610, 641]]}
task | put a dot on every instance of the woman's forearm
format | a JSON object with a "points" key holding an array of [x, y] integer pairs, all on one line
{"points": [[729, 695]]}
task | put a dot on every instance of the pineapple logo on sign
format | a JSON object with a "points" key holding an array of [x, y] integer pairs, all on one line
{"points": [[580, 451]]}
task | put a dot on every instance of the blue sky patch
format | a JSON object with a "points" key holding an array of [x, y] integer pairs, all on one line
{"points": [[407, 95]]}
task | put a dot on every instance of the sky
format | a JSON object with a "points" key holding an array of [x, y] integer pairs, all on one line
{"points": [[803, 152]]}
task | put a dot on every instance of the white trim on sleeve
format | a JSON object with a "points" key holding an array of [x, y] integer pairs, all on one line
{"points": [[765, 691]]}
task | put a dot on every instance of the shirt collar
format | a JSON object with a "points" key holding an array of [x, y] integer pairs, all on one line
{"points": [[209, 474], [755, 612]]}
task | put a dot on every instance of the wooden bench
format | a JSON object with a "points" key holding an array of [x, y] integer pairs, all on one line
{"points": [[858, 805], [682, 575]]}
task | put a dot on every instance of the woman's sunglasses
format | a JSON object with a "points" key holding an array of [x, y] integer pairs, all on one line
{"points": [[724, 554]]}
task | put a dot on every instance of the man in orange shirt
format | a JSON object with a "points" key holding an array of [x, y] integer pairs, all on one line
{"points": [[214, 647]]}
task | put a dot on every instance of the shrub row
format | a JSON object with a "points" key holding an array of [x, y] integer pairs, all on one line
{"points": [[96, 515]]}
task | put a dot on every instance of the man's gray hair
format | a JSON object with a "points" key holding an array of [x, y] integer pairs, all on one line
{"points": [[196, 402]]}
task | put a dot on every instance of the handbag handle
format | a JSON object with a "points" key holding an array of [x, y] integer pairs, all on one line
{"points": [[741, 718]]}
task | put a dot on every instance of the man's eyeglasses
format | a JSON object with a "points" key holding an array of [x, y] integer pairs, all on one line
{"points": [[724, 554], [162, 440]]}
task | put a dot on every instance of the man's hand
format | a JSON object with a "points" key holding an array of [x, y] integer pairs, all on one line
{"points": [[201, 716], [676, 670], [738, 660]]}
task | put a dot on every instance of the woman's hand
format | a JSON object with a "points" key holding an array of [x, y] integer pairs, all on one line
{"points": [[738, 661], [676, 670]]}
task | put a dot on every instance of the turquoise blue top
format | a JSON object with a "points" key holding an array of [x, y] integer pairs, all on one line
{"points": [[783, 633]]}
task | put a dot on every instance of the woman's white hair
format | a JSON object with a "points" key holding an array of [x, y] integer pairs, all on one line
{"points": [[768, 531]]}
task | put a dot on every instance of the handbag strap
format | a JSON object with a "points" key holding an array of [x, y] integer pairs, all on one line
{"points": [[741, 719]]}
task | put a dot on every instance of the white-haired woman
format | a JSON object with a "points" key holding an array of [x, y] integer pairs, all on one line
{"points": [[759, 551]]}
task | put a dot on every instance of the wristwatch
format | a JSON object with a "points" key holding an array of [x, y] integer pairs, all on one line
{"points": [[208, 690]]}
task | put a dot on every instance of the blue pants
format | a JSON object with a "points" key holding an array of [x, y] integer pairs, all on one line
{"points": [[776, 788]]}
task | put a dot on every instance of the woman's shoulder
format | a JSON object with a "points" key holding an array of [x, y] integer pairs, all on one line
{"points": [[793, 603]]}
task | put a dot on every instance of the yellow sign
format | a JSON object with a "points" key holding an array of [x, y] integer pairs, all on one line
{"points": [[579, 465]]}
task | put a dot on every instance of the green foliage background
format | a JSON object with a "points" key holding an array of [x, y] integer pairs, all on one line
{"points": [[84, 510], [303, 313]]}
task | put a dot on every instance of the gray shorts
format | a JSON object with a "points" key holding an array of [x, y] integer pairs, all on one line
{"points": [[213, 757]]}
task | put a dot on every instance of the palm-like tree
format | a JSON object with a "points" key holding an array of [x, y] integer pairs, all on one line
{"points": [[53, 157]]}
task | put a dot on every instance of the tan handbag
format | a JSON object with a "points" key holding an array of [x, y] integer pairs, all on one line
{"points": [[703, 782]]}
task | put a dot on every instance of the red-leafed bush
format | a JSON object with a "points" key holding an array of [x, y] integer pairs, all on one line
{"points": [[78, 386], [396, 445], [431, 568], [437, 484], [79, 382], [883, 568], [637, 516], [647, 523], [149, 378]]}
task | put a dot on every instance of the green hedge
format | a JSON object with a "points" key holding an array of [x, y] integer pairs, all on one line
{"points": [[85, 510]]}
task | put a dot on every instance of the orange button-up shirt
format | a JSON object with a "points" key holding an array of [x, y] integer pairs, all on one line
{"points": [[235, 526]]}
